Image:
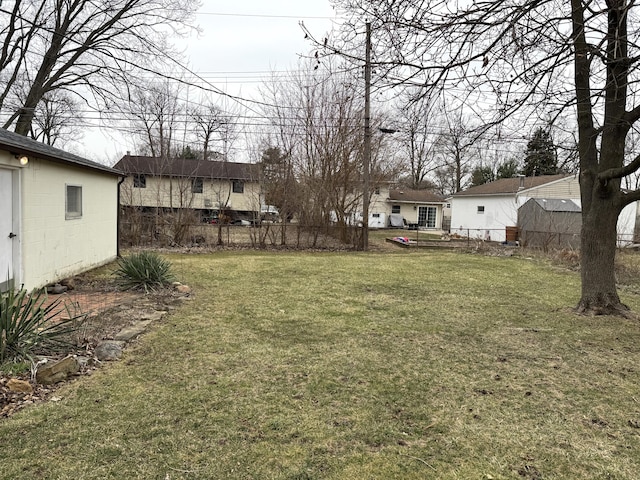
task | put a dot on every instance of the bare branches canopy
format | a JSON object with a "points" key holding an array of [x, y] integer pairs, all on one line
{"points": [[91, 49]]}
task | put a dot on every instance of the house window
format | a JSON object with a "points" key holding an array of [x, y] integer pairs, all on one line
{"points": [[480, 208], [376, 215], [197, 185], [139, 181], [395, 208], [73, 203], [238, 186], [377, 191]]}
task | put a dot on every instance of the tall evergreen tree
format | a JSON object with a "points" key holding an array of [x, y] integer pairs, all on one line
{"points": [[481, 175], [541, 157]]}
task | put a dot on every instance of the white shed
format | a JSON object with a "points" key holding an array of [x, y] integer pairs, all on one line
{"points": [[58, 213]]}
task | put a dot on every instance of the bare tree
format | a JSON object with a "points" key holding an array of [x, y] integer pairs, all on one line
{"points": [[81, 46], [524, 58], [157, 117], [420, 120], [318, 118], [56, 120], [459, 145], [208, 123]]}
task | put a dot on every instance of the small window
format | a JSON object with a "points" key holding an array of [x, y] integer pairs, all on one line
{"points": [[448, 205], [377, 191], [73, 203], [238, 186], [139, 181], [376, 215], [197, 185], [395, 208], [480, 208]]}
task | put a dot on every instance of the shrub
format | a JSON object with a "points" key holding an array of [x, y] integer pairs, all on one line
{"points": [[29, 327], [144, 270]]}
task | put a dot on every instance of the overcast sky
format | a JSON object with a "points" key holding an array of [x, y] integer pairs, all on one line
{"points": [[240, 43]]}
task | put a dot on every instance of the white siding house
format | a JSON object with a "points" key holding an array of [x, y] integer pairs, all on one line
{"points": [[58, 213], [485, 211]]}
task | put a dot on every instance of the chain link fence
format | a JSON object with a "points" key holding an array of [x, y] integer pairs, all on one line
{"points": [[165, 233]]}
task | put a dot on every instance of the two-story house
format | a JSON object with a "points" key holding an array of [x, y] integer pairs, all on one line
{"points": [[200, 186]]}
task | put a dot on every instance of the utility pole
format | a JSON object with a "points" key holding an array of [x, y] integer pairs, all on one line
{"points": [[366, 161]]}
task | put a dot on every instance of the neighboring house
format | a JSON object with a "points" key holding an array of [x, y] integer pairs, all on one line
{"points": [[379, 208], [58, 213], [203, 186], [420, 208], [487, 211], [550, 223]]}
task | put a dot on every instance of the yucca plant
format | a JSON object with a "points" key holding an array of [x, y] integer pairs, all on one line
{"points": [[28, 326], [145, 271]]}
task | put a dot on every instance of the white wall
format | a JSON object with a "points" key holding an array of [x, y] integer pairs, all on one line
{"points": [[499, 212], [53, 247]]}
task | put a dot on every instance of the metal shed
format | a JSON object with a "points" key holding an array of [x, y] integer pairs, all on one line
{"points": [[550, 223]]}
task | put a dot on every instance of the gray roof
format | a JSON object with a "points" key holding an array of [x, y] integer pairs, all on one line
{"points": [[557, 204], [188, 168], [20, 144]]}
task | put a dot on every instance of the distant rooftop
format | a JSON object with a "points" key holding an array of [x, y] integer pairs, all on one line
{"points": [[133, 164], [505, 186], [414, 196]]}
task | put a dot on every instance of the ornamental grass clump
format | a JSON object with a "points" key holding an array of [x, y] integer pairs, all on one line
{"points": [[145, 271], [29, 326]]}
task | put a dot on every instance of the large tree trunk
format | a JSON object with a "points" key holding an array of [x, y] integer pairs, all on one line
{"points": [[598, 242]]}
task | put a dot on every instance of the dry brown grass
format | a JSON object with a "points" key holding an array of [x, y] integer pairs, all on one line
{"points": [[330, 366]]}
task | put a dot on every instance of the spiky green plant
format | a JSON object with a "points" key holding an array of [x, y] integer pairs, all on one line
{"points": [[28, 326], [145, 271]]}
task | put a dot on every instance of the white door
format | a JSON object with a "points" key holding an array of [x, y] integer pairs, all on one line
{"points": [[6, 225], [427, 217]]}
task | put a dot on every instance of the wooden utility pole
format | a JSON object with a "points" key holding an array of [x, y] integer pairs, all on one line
{"points": [[366, 161]]}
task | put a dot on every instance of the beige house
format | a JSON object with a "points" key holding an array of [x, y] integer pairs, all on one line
{"points": [[419, 208], [202, 186], [58, 213]]}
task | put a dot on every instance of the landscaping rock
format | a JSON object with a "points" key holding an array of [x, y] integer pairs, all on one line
{"points": [[109, 350], [152, 316], [56, 289], [70, 283], [19, 386], [131, 332], [183, 289], [58, 371]]}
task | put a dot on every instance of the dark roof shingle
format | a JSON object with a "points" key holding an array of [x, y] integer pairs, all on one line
{"points": [[187, 168], [20, 144], [415, 196]]}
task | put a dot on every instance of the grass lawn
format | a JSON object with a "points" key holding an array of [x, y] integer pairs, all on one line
{"points": [[409, 365]]}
